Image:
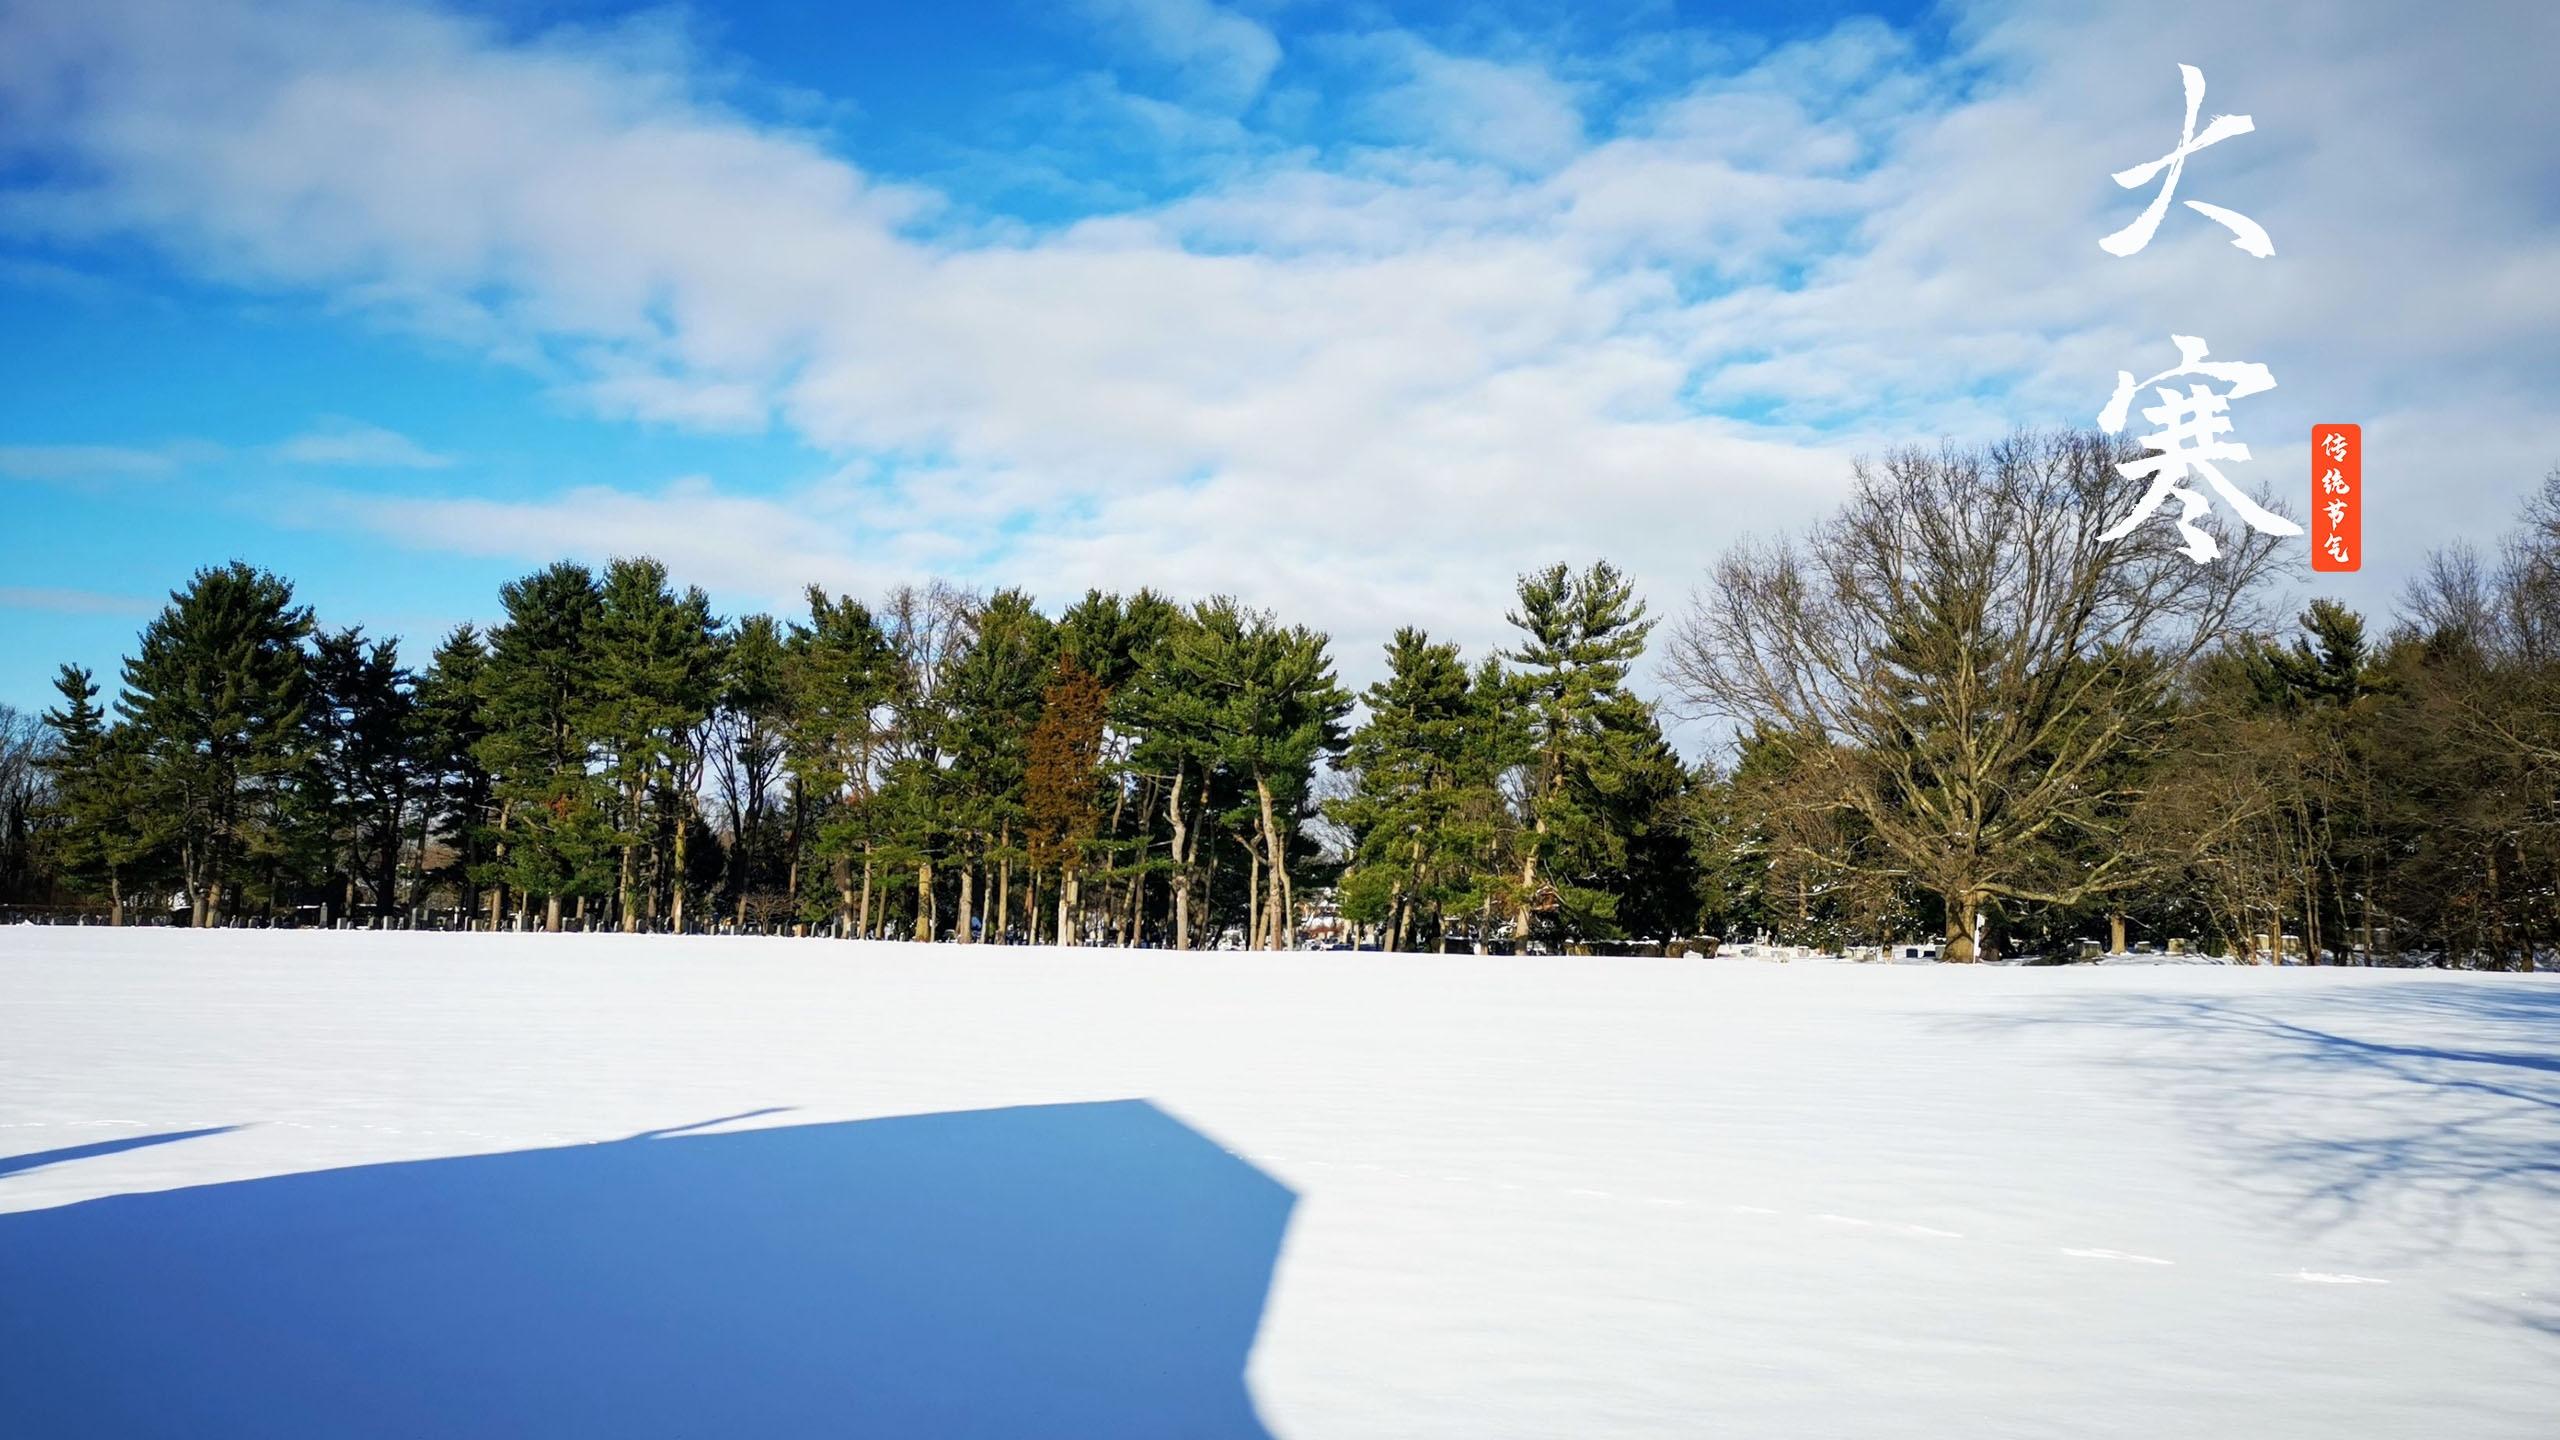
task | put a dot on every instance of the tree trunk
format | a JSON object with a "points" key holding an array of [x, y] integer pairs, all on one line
{"points": [[2115, 932], [115, 898], [924, 900], [1068, 921], [1136, 918], [1004, 882], [1288, 935], [968, 898], [864, 920], [551, 912], [498, 892], [844, 897], [425, 833], [1528, 887], [1208, 884], [683, 823], [791, 873], [1278, 862], [1181, 865], [1961, 943], [2368, 910], [630, 911]]}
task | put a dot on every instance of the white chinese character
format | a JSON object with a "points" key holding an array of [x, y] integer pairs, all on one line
{"points": [[2334, 444], [2190, 439], [2247, 233], [2331, 483], [2337, 548], [2336, 510]]}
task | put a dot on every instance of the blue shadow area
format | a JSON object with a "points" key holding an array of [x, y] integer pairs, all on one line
{"points": [[2428, 1110], [12, 1164], [1070, 1270]]}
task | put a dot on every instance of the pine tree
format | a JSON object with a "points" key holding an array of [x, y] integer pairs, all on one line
{"points": [[994, 688], [1262, 703], [657, 674], [215, 696], [925, 627], [457, 792], [839, 674], [1646, 860], [1114, 638], [1580, 635], [537, 693], [364, 739], [1173, 723], [110, 842], [1425, 768]]}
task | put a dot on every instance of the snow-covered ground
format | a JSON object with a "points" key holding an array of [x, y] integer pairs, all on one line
{"points": [[1542, 1197]]}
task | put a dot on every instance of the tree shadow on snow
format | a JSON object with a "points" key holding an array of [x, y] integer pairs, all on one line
{"points": [[14, 1164], [2428, 1111], [1066, 1270]]}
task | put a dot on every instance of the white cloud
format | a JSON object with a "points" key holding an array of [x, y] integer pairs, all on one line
{"points": [[1226, 57], [1366, 388], [72, 602], [1512, 113], [83, 462], [97, 466], [356, 444], [755, 550]]}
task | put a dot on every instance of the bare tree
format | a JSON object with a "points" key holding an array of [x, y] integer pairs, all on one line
{"points": [[25, 746], [1980, 679]]}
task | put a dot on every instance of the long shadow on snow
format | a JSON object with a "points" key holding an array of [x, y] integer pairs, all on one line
{"points": [[1069, 1270], [2430, 1107], [13, 1164]]}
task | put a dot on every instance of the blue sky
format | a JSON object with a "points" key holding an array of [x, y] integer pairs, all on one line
{"points": [[1355, 310]]}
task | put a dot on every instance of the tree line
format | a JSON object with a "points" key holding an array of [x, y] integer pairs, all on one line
{"points": [[943, 765], [1961, 714], [1954, 713]]}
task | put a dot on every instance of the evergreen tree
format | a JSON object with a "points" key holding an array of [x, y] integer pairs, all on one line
{"points": [[366, 764], [1648, 862], [553, 833], [1266, 707], [994, 686], [1173, 724], [1425, 773], [657, 675], [1114, 637], [457, 798], [1589, 733], [215, 696], [110, 841], [839, 675], [926, 627]]}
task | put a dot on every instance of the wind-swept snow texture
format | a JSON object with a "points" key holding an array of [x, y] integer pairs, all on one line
{"points": [[295, 1185]]}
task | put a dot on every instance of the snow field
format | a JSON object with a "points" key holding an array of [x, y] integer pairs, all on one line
{"points": [[1570, 1196]]}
